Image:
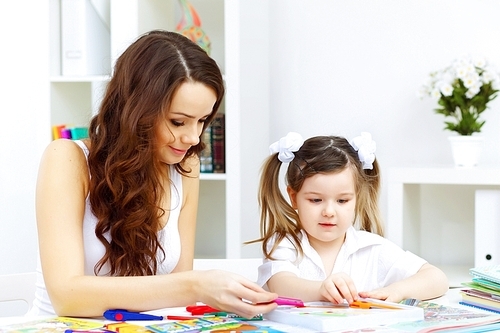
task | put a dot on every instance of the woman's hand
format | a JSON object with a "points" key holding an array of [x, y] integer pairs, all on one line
{"points": [[337, 287], [233, 293]]}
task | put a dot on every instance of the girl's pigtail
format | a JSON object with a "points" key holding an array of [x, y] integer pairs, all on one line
{"points": [[276, 215], [370, 214]]}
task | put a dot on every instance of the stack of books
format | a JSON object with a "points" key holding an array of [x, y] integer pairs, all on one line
{"points": [[483, 291], [212, 158]]}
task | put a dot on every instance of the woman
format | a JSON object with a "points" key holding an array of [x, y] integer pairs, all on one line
{"points": [[116, 213]]}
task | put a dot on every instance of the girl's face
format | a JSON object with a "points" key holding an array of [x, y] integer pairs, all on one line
{"points": [[326, 206], [191, 105]]}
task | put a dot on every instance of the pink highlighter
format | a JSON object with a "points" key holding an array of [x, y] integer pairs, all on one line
{"points": [[289, 301]]}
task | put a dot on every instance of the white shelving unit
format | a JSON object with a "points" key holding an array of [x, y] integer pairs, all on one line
{"points": [[446, 215], [224, 222]]}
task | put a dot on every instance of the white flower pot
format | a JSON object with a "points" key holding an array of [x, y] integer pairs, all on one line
{"points": [[466, 149]]}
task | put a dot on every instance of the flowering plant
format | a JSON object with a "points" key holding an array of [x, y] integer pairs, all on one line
{"points": [[463, 91]]}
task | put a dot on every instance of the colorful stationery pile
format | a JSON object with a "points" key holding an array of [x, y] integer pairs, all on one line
{"points": [[443, 318], [209, 324], [484, 290]]}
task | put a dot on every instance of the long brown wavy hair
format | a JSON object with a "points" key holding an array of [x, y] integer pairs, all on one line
{"points": [[125, 188], [320, 154]]}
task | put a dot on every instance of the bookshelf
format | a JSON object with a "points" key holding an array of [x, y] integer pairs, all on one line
{"points": [[74, 99], [449, 216]]}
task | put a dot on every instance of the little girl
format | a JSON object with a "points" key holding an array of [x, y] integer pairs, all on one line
{"points": [[313, 251]]}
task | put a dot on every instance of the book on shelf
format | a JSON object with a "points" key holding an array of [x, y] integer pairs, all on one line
{"points": [[212, 158], [206, 164], [218, 143], [69, 132]]}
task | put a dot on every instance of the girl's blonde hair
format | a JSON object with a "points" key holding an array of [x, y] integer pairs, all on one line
{"points": [[320, 154]]}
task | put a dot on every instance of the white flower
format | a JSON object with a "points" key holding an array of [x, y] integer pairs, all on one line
{"points": [[487, 76], [464, 70], [448, 77], [435, 93], [479, 62], [471, 79], [446, 89], [472, 92], [490, 75]]}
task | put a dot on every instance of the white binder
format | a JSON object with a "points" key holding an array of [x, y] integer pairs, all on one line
{"points": [[85, 39], [487, 228]]}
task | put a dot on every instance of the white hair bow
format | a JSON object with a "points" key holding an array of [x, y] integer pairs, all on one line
{"points": [[286, 146], [365, 147]]}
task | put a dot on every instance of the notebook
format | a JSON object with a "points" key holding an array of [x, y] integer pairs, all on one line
{"points": [[322, 317], [490, 273], [480, 299]]}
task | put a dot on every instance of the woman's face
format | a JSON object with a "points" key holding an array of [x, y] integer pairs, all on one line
{"points": [[191, 105]]}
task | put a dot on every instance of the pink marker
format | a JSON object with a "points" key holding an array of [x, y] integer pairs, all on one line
{"points": [[289, 301]]}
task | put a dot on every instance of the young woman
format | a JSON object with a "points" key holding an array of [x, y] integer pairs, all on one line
{"points": [[116, 213], [312, 248]]}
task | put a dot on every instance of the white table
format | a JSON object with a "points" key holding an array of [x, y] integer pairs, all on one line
{"points": [[452, 298]]}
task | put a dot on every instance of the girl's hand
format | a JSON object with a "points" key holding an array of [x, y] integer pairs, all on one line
{"points": [[234, 293], [429, 282], [385, 294], [338, 287]]}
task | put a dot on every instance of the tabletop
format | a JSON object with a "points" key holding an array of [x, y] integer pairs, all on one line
{"points": [[451, 298]]}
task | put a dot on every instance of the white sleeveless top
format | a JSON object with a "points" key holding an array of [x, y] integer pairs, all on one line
{"points": [[94, 250]]}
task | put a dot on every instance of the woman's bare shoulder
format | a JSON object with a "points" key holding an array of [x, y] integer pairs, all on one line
{"points": [[62, 153], [62, 146]]}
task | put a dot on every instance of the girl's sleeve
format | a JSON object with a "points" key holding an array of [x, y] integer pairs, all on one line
{"points": [[284, 260], [397, 263]]}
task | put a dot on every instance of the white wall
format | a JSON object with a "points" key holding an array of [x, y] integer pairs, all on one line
{"points": [[25, 127], [342, 67], [335, 67]]}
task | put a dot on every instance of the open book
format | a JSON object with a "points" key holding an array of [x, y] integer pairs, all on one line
{"points": [[436, 318], [52, 324], [323, 317]]}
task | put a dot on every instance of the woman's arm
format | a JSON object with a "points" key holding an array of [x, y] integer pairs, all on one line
{"points": [[429, 282], [60, 201], [188, 215]]}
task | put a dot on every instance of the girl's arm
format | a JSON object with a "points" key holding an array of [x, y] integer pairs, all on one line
{"points": [[335, 288], [429, 282], [60, 201]]}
